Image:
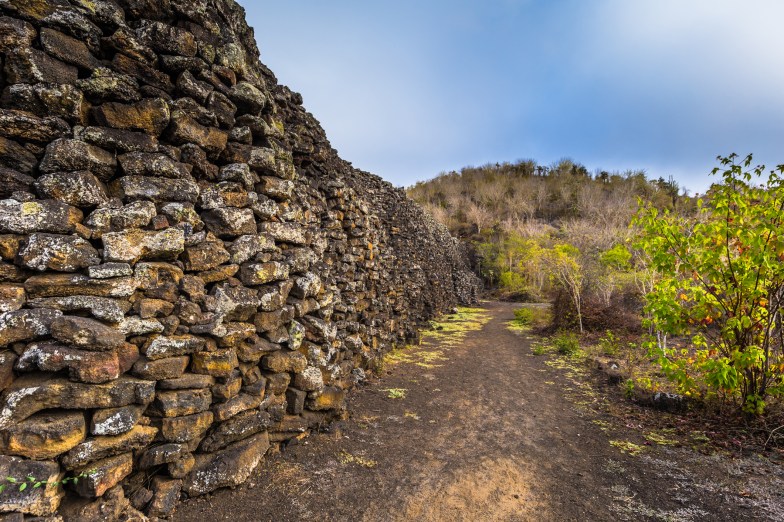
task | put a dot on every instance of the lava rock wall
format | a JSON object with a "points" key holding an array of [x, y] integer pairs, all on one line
{"points": [[189, 273]]}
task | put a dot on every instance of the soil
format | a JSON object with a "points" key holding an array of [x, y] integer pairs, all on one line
{"points": [[472, 425]]}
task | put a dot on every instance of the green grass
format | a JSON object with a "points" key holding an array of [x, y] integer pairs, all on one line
{"points": [[396, 393]]}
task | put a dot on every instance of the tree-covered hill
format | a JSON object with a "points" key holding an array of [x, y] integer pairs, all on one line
{"points": [[543, 230]]}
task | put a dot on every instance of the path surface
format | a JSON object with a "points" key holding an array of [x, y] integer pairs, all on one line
{"points": [[486, 431]]}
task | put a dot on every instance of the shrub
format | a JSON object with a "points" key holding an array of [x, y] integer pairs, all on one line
{"points": [[721, 283], [609, 344], [524, 316], [566, 343]]}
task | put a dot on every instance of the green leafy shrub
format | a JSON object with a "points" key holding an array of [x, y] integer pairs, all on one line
{"points": [[609, 344], [566, 343], [524, 316], [721, 284]]}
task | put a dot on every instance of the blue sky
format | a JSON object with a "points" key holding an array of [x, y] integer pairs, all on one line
{"points": [[411, 88]]}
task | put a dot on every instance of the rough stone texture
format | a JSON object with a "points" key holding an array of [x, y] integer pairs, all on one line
{"points": [[102, 447], [133, 245], [39, 502], [87, 334], [185, 258], [43, 252], [24, 325], [71, 155], [30, 394], [44, 435], [82, 365], [114, 421], [228, 467], [102, 475]]}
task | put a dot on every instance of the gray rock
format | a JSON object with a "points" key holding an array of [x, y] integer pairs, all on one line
{"points": [[38, 216], [25, 325], [41, 502], [285, 232], [156, 189], [80, 189], [106, 84], [28, 395], [190, 86], [83, 366], [104, 308], [239, 172], [108, 270], [307, 285], [262, 273], [132, 245], [310, 379], [114, 421], [28, 65], [57, 252], [162, 346], [247, 97], [148, 164], [87, 334], [230, 222], [137, 214], [228, 467], [245, 247], [19, 124], [70, 155], [95, 449], [47, 100], [166, 38], [117, 139], [279, 189]]}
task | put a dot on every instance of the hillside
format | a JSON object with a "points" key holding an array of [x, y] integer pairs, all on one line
{"points": [[534, 228]]}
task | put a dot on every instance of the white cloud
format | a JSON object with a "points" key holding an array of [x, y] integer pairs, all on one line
{"points": [[407, 89], [708, 51]]}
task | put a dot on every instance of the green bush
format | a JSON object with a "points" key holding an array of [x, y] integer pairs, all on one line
{"points": [[609, 344], [524, 316], [513, 281], [720, 282], [566, 343]]}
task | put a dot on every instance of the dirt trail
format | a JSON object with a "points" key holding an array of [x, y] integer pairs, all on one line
{"points": [[486, 431]]}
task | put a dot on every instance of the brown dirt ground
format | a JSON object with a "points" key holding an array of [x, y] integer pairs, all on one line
{"points": [[489, 431]]}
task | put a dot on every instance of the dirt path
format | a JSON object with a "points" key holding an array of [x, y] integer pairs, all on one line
{"points": [[486, 431]]}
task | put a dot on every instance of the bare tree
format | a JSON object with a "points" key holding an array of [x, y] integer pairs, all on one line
{"points": [[478, 216]]}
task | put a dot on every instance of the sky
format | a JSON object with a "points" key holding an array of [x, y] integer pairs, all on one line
{"points": [[407, 89]]}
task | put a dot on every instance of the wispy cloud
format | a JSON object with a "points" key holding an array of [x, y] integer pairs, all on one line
{"points": [[409, 88]]}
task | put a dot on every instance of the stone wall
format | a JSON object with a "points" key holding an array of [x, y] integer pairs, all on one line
{"points": [[189, 272]]}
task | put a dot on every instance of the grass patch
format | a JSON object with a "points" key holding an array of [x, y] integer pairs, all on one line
{"points": [[660, 439], [529, 317], [627, 447], [447, 332], [540, 348], [452, 329], [396, 393], [347, 458]]}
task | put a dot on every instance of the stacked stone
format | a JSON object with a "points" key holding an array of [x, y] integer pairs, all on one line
{"points": [[189, 272]]}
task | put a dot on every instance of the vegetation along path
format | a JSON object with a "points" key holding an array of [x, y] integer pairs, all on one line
{"points": [[474, 425]]}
